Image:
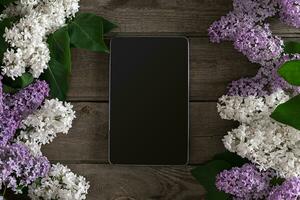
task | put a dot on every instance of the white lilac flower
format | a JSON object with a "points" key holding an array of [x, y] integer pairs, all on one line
{"points": [[41, 127], [60, 183], [2, 16], [247, 109], [269, 144], [262, 140], [27, 38], [19, 8]]}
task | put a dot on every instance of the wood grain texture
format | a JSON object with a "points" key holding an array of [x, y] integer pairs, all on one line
{"points": [[184, 17], [139, 183], [136, 183], [159, 16], [87, 141], [213, 66]]}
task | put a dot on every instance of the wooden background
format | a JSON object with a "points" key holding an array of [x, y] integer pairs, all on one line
{"points": [[213, 66]]}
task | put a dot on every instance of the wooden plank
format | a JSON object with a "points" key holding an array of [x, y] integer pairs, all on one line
{"points": [[89, 78], [87, 141], [282, 29], [159, 16], [213, 66], [136, 183], [203, 149], [188, 17], [111, 182]]}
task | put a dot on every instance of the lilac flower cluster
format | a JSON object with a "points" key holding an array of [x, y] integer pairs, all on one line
{"points": [[248, 97], [258, 10], [266, 81], [29, 52], [27, 100], [289, 190], [1, 95], [228, 27], [258, 44], [246, 182], [19, 168], [254, 39], [290, 12], [245, 15], [18, 106], [250, 38]]}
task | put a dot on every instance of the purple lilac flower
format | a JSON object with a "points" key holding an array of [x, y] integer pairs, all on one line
{"points": [[245, 14], [18, 106], [1, 96], [246, 182], [241, 26], [290, 12], [27, 100], [258, 9], [266, 81], [19, 168], [255, 86], [289, 190], [228, 27], [259, 45]]}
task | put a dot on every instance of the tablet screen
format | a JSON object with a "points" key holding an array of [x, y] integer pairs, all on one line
{"points": [[149, 100]]}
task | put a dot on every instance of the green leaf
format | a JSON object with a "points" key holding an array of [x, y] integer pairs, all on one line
{"points": [[86, 32], [290, 71], [5, 23], [20, 82], [233, 159], [277, 181], [288, 112], [206, 176], [108, 26], [291, 47], [8, 89], [58, 73], [5, 2]]}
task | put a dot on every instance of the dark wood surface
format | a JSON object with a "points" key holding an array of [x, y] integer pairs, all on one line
{"points": [[213, 66]]}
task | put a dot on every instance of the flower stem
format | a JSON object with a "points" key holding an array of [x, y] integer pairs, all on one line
{"points": [[4, 191]]}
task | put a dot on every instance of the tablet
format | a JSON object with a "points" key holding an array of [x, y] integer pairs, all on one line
{"points": [[149, 101]]}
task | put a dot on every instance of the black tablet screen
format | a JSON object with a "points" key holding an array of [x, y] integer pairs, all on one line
{"points": [[149, 105]]}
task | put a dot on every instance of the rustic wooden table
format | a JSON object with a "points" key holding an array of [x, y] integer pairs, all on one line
{"points": [[213, 66]]}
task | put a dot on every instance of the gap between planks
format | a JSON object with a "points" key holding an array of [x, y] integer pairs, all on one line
{"points": [[88, 138]]}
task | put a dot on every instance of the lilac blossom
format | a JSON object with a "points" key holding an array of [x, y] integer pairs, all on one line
{"points": [[259, 45], [246, 182], [258, 10], [266, 81], [245, 15], [289, 190], [255, 86], [19, 168], [18, 106], [256, 42], [27, 100], [228, 27], [1, 96], [290, 12]]}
